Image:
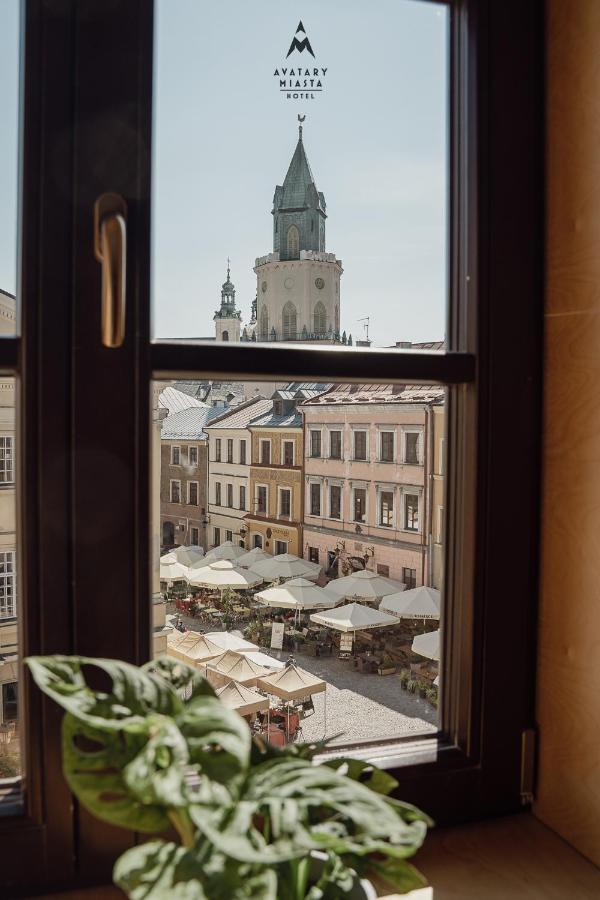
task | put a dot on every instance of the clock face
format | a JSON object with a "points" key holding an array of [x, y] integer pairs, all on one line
{"points": [[319, 283], [264, 286], [288, 283]]}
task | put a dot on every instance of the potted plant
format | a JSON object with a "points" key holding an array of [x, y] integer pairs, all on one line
{"points": [[432, 696], [422, 687], [404, 676], [387, 665], [152, 749]]}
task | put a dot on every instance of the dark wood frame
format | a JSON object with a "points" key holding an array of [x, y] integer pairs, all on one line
{"points": [[85, 424]]}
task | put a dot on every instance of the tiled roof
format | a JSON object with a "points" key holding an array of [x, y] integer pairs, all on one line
{"points": [[189, 423], [242, 414], [378, 393]]}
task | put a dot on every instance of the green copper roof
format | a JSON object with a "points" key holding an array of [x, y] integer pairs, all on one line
{"points": [[297, 180]]}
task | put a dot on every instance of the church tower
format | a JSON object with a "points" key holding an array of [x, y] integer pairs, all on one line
{"points": [[298, 284], [227, 318]]}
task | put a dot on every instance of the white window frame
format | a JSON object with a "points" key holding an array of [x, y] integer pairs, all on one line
{"points": [[262, 441], [253, 537], [173, 481], [7, 459], [283, 443], [193, 448], [175, 447], [412, 492], [364, 430], [229, 534], [276, 552], [380, 432], [336, 484], [189, 492], [8, 584], [256, 487], [312, 431], [280, 490], [412, 429], [383, 489]]}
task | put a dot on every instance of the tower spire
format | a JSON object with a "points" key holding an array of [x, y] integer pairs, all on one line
{"points": [[300, 121]]}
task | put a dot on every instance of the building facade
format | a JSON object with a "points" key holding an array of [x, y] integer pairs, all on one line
{"points": [[229, 457], [367, 486]]}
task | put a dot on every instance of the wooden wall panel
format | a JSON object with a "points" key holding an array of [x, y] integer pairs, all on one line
{"points": [[568, 791]]}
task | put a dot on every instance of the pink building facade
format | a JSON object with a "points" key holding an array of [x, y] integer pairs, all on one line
{"points": [[368, 479]]}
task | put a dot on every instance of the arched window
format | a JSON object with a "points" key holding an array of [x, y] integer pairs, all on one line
{"points": [[320, 319], [264, 323], [289, 322], [257, 541], [337, 319], [293, 242], [225, 335]]}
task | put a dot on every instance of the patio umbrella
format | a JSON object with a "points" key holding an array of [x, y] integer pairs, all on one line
{"points": [[252, 556], [192, 647], [263, 659], [170, 570], [297, 593], [284, 566], [419, 603], [364, 585], [226, 550], [427, 644], [187, 556], [354, 617], [222, 574], [236, 667], [292, 683], [243, 699], [230, 640]]}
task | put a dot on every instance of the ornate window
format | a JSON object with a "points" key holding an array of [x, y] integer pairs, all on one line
{"points": [[320, 319], [264, 323], [289, 321], [293, 242]]}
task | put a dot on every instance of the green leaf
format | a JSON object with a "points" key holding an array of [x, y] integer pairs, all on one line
{"points": [[126, 698], [375, 779], [157, 774], [165, 871], [218, 738], [94, 763], [183, 678], [393, 875]]}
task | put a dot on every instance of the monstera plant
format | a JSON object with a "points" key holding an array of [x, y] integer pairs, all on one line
{"points": [[153, 750]]}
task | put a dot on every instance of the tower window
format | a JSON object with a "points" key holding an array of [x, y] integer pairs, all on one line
{"points": [[320, 319], [225, 335], [289, 322], [293, 242], [264, 324]]}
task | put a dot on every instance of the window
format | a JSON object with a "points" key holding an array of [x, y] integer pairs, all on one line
{"points": [[288, 453], [217, 449], [320, 319], [243, 452], [216, 537], [257, 541], [193, 493], [229, 535], [264, 323], [293, 242], [409, 577], [195, 537], [440, 525], [315, 444], [193, 456], [229, 450], [360, 504], [360, 445], [289, 322], [175, 456], [217, 493], [383, 570], [411, 447], [242, 497], [7, 465], [285, 503], [265, 453], [387, 446], [280, 547], [230, 495], [10, 693], [175, 491], [313, 554], [7, 585], [411, 512], [386, 509], [315, 499], [335, 444], [261, 500], [335, 501]]}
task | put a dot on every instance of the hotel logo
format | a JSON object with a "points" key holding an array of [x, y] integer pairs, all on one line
{"points": [[300, 82], [302, 45]]}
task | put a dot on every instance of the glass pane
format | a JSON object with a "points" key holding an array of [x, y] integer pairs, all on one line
{"points": [[309, 555], [300, 172], [9, 137]]}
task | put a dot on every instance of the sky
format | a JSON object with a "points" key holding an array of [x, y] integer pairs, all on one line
{"points": [[376, 139]]}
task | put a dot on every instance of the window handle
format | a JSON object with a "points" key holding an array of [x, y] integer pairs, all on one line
{"points": [[110, 249]]}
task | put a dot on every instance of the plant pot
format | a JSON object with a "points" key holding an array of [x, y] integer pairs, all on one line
{"points": [[389, 671], [362, 889]]}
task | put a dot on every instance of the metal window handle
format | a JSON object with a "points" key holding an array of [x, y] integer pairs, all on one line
{"points": [[110, 248]]}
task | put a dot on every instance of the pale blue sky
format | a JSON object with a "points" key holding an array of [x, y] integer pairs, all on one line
{"points": [[224, 136]]}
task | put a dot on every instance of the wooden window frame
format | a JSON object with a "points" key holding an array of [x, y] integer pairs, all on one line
{"points": [[491, 367]]}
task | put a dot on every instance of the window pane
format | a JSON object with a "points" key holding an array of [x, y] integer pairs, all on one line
{"points": [[9, 165], [356, 518], [331, 230]]}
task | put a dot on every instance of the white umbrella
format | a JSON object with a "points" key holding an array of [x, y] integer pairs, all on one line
{"points": [[364, 585], [187, 556], [286, 565], [427, 644], [223, 574], [173, 571], [243, 699], [297, 593], [263, 659], [354, 617], [229, 640], [226, 550], [252, 556], [419, 603]]}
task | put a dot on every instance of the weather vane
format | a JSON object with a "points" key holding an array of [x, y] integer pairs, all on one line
{"points": [[301, 120]]}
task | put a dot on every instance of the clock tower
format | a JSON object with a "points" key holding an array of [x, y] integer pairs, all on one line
{"points": [[227, 318], [298, 284]]}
